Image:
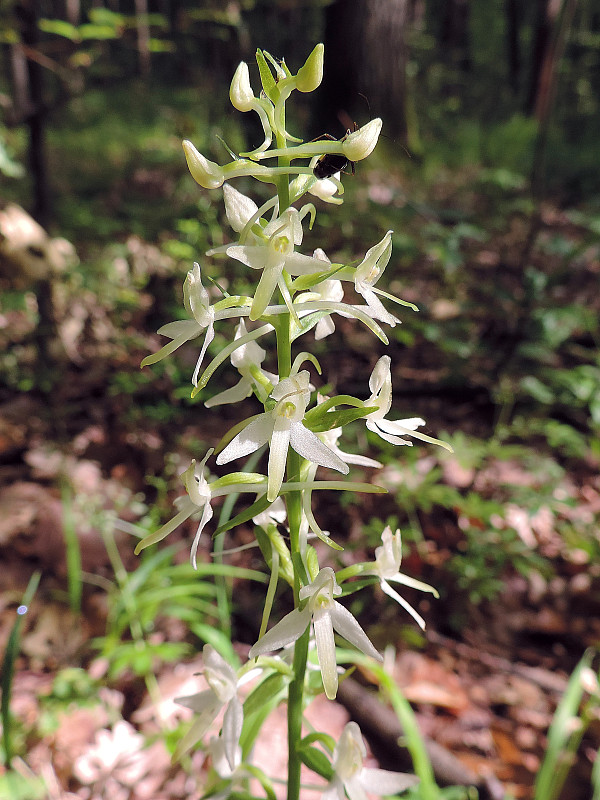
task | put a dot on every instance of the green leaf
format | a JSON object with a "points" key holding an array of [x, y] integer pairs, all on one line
{"points": [[338, 419], [254, 510], [258, 705], [60, 27]]}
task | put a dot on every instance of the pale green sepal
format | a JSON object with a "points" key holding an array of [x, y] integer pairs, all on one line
{"points": [[169, 348], [186, 512], [301, 358], [226, 352], [235, 479], [233, 432], [316, 529], [395, 299], [270, 596]]}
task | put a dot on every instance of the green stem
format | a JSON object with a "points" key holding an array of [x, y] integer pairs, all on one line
{"points": [[294, 513]]}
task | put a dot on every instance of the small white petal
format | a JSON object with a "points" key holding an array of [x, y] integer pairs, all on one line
{"points": [[235, 394], [249, 440], [232, 728], [382, 781], [345, 624], [290, 628], [404, 603], [309, 446], [207, 514], [278, 449], [238, 208], [323, 628]]}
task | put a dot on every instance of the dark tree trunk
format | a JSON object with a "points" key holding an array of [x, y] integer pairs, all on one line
{"points": [[513, 45], [365, 57], [541, 36], [33, 110], [455, 33]]}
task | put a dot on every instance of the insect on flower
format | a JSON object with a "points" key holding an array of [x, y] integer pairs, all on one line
{"points": [[330, 163]]}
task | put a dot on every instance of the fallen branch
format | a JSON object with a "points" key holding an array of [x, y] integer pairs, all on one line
{"points": [[382, 728]]}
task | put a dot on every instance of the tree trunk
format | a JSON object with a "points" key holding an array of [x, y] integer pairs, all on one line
{"points": [[33, 110], [365, 64], [513, 45]]}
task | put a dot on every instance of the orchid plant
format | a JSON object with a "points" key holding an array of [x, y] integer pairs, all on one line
{"points": [[296, 293]]}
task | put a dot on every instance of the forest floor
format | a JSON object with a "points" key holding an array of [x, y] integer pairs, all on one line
{"points": [[506, 529]]}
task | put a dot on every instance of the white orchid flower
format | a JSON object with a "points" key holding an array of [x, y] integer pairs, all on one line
{"points": [[247, 360], [283, 427], [326, 291], [368, 273], [326, 615], [396, 431], [273, 256], [388, 558], [326, 188], [197, 302], [355, 781], [222, 693], [200, 494]]}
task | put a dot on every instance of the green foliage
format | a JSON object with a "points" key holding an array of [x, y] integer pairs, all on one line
{"points": [[571, 720]]}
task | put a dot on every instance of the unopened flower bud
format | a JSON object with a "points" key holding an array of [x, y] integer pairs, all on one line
{"points": [[240, 91], [208, 174], [361, 143], [310, 75]]}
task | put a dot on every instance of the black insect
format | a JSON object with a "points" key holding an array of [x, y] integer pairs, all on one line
{"points": [[330, 163]]}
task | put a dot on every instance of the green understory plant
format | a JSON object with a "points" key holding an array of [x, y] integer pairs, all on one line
{"points": [[296, 294]]}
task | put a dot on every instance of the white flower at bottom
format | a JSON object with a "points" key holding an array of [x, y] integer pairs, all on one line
{"points": [[326, 615], [222, 693], [115, 754], [354, 780]]}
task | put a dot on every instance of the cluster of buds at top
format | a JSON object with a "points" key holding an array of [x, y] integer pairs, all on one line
{"points": [[269, 106]]}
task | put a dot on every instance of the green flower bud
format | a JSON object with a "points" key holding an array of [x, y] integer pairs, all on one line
{"points": [[240, 92], [208, 174], [361, 143], [310, 75]]}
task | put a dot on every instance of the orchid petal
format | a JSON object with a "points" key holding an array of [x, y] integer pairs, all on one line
{"points": [[405, 604], [207, 514], [323, 628], [232, 728], [280, 442], [210, 335], [309, 446], [235, 394], [347, 626], [249, 440], [287, 630], [384, 782]]}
